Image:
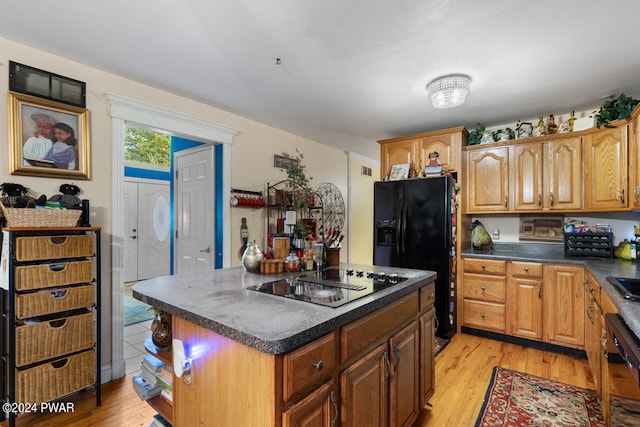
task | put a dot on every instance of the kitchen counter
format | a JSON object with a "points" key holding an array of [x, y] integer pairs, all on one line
{"points": [[599, 267], [219, 300]]}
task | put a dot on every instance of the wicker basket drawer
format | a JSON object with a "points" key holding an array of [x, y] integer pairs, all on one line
{"points": [[49, 381], [36, 248], [30, 277], [45, 340], [50, 301]]}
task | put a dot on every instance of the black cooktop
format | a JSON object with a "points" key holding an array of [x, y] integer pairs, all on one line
{"points": [[332, 287]]}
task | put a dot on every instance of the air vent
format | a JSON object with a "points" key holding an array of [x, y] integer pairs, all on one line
{"points": [[366, 171]]}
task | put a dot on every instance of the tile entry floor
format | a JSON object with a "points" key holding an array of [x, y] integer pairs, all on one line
{"points": [[134, 336]]}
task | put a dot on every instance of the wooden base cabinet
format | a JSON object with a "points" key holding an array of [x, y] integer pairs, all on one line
{"points": [[368, 372], [483, 292], [564, 305], [524, 300]]}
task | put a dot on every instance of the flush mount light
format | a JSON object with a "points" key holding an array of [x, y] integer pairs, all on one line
{"points": [[449, 91]]}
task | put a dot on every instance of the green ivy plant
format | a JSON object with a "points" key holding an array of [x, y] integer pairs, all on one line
{"points": [[301, 184], [497, 133], [616, 109], [475, 136]]}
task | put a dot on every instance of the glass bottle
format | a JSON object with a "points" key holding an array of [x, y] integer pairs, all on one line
{"points": [[307, 257], [572, 119], [552, 127], [412, 171]]}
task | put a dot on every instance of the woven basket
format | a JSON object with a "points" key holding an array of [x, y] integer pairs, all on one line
{"points": [[45, 340], [50, 381], [49, 301], [37, 248], [50, 218]]}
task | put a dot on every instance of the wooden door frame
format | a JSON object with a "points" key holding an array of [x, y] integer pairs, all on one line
{"points": [[125, 110]]}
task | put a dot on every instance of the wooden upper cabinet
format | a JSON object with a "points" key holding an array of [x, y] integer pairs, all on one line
{"points": [[605, 169], [395, 153], [562, 174], [488, 180], [526, 161], [416, 148], [634, 162]]}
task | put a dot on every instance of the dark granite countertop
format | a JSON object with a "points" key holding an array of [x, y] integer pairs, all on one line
{"points": [[219, 301], [599, 267]]}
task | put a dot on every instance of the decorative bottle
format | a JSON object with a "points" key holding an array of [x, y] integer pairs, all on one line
{"points": [[412, 171], [572, 120], [552, 127]]}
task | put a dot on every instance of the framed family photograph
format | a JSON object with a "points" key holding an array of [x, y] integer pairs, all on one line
{"points": [[48, 138], [398, 172]]}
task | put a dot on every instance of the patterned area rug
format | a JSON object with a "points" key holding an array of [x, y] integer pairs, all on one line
{"points": [[441, 343], [135, 311], [518, 399], [624, 411]]}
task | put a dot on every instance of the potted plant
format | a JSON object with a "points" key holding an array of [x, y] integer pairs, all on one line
{"points": [[616, 109], [475, 136], [301, 190]]}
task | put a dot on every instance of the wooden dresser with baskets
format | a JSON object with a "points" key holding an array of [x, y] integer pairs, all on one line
{"points": [[50, 303]]}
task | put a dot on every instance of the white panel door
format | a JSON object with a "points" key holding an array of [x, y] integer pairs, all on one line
{"points": [[130, 203], [194, 209], [154, 230]]}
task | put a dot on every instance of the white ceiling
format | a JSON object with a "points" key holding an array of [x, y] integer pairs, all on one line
{"points": [[351, 72]]}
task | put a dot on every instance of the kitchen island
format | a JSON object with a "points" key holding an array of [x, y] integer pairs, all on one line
{"points": [[259, 359]]}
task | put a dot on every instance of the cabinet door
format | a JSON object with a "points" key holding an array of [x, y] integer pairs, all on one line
{"points": [[563, 300], [524, 308], [445, 146], [526, 165], [318, 409], [634, 163], [488, 180], [605, 169], [427, 357], [393, 153], [592, 338], [404, 384], [562, 174], [363, 390]]}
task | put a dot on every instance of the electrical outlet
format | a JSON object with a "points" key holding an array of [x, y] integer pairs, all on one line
{"points": [[495, 234]]}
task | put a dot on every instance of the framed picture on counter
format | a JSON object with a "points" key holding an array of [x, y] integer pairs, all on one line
{"points": [[48, 138], [400, 171]]}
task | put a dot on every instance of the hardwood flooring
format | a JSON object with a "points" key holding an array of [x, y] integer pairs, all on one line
{"points": [[463, 372]]}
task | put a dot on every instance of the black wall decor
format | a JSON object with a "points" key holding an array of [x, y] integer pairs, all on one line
{"points": [[43, 84]]}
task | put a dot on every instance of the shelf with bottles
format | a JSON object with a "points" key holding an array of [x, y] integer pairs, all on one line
{"points": [[283, 197], [247, 198]]}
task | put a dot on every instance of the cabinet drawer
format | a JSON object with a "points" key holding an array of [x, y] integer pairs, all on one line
{"points": [[50, 301], [526, 269], [427, 296], [36, 248], [484, 287], [309, 366], [485, 266], [361, 334], [30, 277], [45, 340], [484, 315], [49, 381]]}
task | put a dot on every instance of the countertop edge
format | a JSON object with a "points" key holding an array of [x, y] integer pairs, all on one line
{"points": [[359, 308]]}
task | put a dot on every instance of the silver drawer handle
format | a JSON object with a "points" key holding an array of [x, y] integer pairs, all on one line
{"points": [[319, 365]]}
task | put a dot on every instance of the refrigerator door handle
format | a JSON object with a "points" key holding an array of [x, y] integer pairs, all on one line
{"points": [[403, 225]]}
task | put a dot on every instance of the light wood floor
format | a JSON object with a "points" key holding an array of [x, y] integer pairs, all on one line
{"points": [[463, 372]]}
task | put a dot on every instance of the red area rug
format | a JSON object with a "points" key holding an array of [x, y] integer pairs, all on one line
{"points": [[518, 399], [441, 343]]}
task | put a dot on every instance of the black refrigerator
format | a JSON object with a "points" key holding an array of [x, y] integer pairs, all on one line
{"points": [[414, 227]]}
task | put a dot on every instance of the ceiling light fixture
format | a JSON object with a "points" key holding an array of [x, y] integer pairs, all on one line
{"points": [[449, 91]]}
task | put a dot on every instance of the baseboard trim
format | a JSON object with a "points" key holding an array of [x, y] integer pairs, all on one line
{"points": [[581, 354]]}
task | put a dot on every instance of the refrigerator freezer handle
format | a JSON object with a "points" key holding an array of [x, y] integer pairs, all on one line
{"points": [[403, 228]]}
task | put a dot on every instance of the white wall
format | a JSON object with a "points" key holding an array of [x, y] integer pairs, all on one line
{"points": [[509, 225], [251, 153]]}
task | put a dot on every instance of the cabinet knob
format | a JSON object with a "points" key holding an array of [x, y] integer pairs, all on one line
{"points": [[319, 365], [432, 296], [526, 269], [622, 196], [483, 266], [482, 315]]}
